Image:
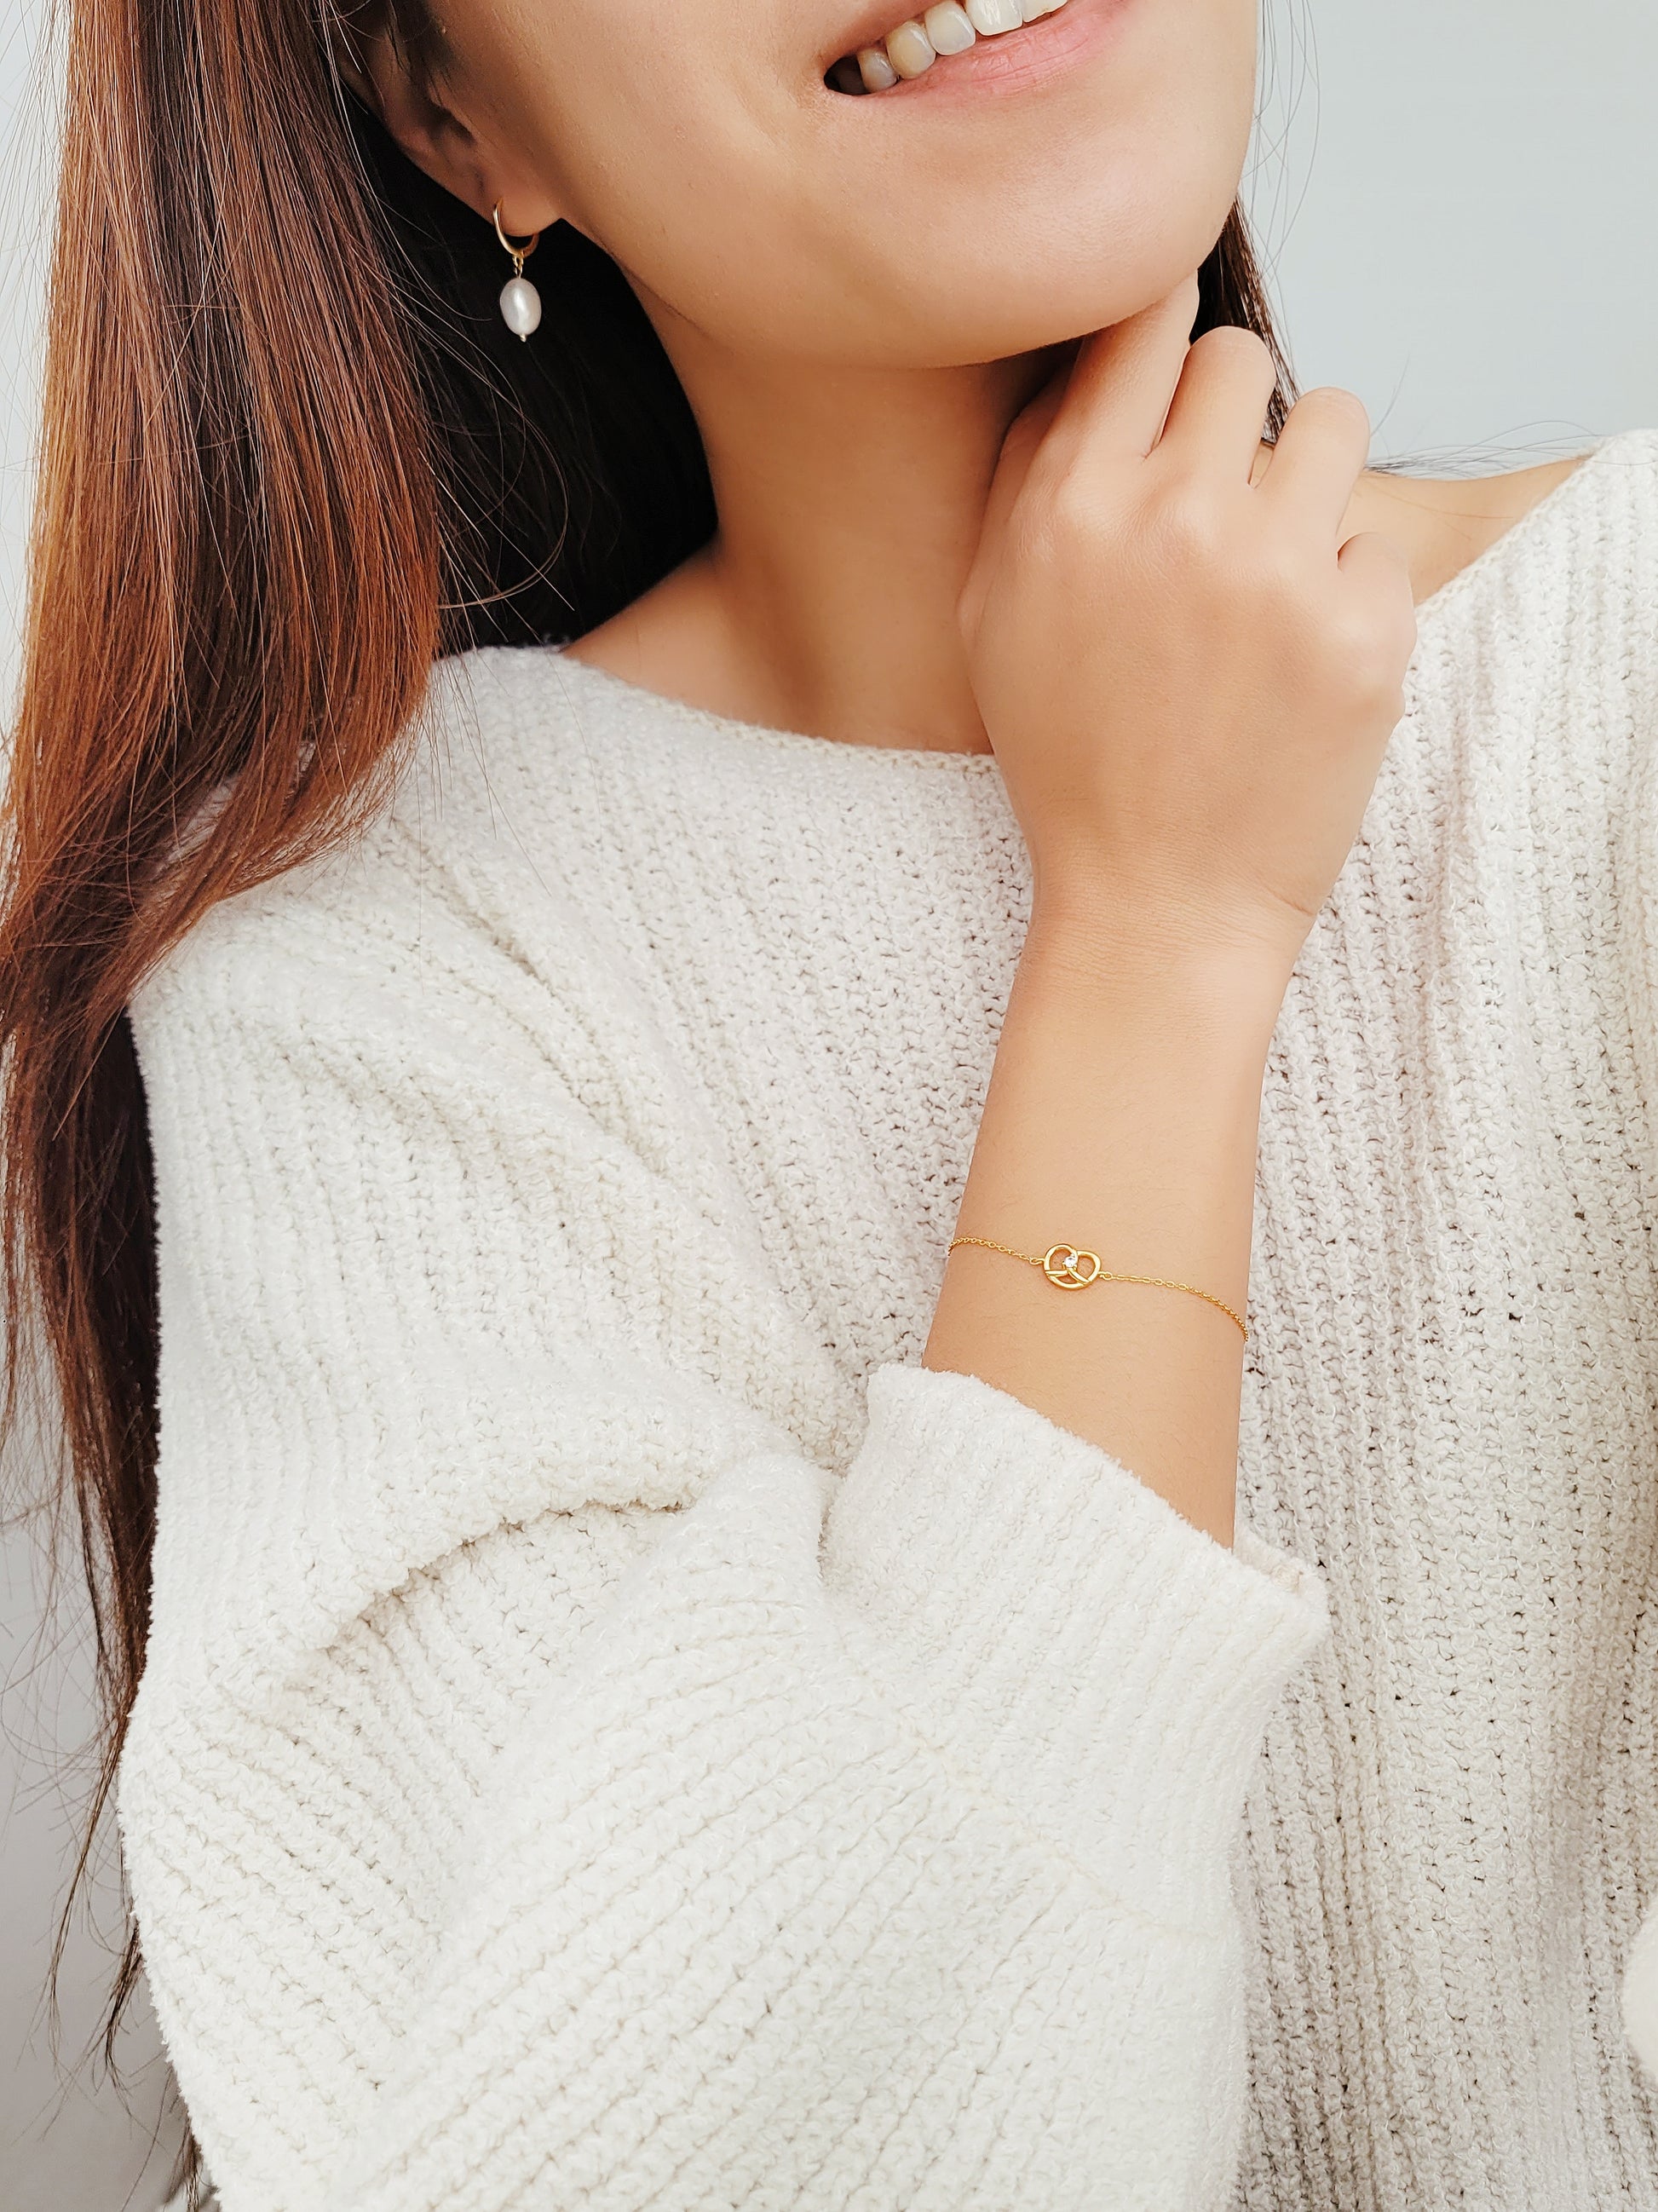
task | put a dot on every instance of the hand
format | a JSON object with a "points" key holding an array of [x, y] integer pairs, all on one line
{"points": [[1188, 680]]}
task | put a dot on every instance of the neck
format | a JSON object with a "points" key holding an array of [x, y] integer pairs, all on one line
{"points": [[850, 501]]}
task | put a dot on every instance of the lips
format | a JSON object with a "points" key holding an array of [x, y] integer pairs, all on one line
{"points": [[901, 52]]}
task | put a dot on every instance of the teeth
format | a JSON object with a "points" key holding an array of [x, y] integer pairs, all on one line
{"points": [[909, 50], [950, 27]]}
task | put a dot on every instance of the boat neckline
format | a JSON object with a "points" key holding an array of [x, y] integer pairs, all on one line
{"points": [[1429, 611]]}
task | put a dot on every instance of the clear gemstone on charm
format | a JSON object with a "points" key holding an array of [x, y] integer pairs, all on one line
{"points": [[1071, 1267], [520, 305]]}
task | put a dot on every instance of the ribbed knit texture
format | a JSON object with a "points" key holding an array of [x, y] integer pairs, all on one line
{"points": [[619, 1733]]}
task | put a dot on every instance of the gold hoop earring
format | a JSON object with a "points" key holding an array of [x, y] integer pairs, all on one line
{"points": [[520, 302]]}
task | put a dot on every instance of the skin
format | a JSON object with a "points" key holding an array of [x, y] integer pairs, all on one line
{"points": [[818, 274], [937, 344]]}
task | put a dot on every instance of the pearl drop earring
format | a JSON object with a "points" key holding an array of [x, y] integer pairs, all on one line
{"points": [[520, 302]]}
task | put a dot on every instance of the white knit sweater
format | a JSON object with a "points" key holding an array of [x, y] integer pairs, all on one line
{"points": [[619, 1733]]}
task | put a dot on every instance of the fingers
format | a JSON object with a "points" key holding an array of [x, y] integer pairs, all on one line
{"points": [[1122, 379], [1219, 408], [1320, 455], [1375, 568], [1019, 448], [1378, 566], [1141, 385], [1025, 434]]}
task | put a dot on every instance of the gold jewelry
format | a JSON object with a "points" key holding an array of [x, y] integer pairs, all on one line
{"points": [[520, 302], [1072, 1267]]}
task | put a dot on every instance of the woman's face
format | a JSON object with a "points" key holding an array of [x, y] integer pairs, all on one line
{"points": [[1037, 185]]}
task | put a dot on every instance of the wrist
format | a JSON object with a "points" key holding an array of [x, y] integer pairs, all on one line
{"points": [[1175, 961]]}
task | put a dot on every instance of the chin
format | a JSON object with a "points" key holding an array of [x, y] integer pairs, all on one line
{"points": [[1026, 295]]}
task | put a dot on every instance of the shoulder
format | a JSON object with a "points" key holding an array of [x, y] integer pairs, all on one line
{"points": [[1605, 499], [436, 898], [422, 1150], [1448, 526], [416, 1046], [1445, 523]]}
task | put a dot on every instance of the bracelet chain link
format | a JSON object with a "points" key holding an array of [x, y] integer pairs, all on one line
{"points": [[1073, 1267]]}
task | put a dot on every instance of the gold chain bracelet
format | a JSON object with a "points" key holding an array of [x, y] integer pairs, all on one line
{"points": [[1069, 1268]]}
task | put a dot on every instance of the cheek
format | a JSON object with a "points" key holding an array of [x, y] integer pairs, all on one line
{"points": [[782, 219]]}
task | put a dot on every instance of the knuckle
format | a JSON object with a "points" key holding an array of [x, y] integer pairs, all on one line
{"points": [[1334, 402], [1279, 576], [1188, 526], [1071, 517], [1370, 656], [1400, 629]]}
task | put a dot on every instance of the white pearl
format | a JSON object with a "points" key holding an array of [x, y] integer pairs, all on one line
{"points": [[520, 305]]}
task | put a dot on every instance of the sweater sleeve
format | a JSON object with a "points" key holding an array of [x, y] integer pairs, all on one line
{"points": [[860, 1837]]}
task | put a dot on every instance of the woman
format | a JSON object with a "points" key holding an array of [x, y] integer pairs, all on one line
{"points": [[668, 1678]]}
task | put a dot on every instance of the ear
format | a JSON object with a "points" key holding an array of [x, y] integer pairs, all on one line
{"points": [[416, 108]]}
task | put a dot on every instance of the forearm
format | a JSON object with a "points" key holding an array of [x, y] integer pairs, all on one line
{"points": [[1122, 1114]]}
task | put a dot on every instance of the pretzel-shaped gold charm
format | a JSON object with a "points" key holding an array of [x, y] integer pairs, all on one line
{"points": [[1072, 1267], [1068, 1267]]}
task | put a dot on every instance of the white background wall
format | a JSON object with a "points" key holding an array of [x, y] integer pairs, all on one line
{"points": [[1456, 198], [1461, 217]]}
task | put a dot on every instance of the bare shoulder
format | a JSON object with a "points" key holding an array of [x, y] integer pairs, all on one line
{"points": [[1442, 523]]}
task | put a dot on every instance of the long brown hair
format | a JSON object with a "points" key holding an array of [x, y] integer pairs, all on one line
{"points": [[290, 456]]}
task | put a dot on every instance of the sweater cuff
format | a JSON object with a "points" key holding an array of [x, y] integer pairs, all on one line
{"points": [[1061, 1635]]}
